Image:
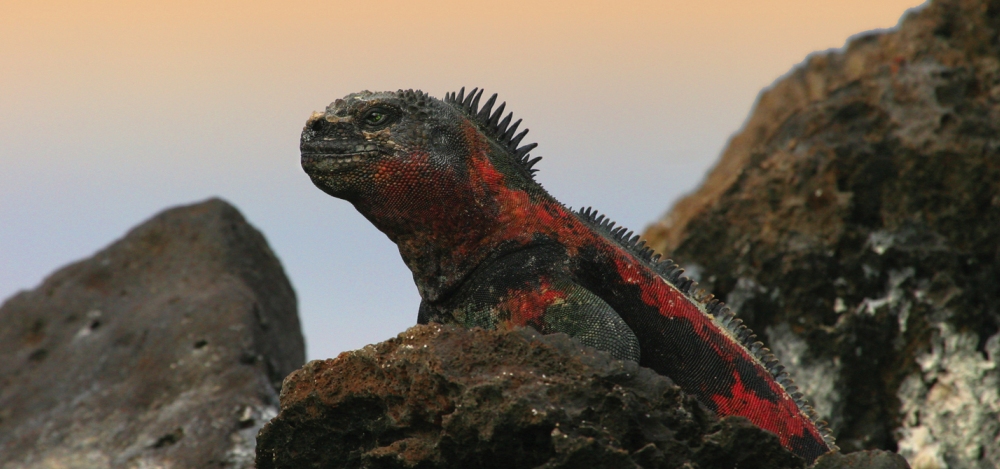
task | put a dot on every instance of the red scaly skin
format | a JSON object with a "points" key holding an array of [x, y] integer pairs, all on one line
{"points": [[468, 218], [550, 218], [527, 308]]}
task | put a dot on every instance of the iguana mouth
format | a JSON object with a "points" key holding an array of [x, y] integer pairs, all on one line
{"points": [[333, 161]]}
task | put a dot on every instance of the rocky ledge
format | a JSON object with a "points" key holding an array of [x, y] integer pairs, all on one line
{"points": [[446, 397]]}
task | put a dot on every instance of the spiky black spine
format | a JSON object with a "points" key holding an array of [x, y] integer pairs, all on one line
{"points": [[672, 273], [500, 130]]}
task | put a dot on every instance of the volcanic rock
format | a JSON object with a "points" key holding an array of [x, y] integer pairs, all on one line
{"points": [[872, 459], [854, 224], [165, 349], [441, 396]]}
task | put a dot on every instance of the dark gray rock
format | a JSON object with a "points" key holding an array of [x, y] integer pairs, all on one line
{"points": [[854, 224], [440, 396], [446, 397], [162, 350]]}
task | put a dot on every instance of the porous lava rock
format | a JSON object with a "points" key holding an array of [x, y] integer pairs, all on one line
{"points": [[163, 350], [440, 396], [854, 224], [871, 459]]}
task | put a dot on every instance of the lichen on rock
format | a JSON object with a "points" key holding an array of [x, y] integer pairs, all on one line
{"points": [[951, 406]]}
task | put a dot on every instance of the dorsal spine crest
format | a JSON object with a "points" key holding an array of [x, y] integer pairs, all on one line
{"points": [[673, 274], [492, 126]]}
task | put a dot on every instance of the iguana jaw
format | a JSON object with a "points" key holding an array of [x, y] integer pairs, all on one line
{"points": [[337, 172], [319, 164], [337, 156]]}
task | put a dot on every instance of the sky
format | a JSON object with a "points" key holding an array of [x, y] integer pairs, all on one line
{"points": [[111, 111]]}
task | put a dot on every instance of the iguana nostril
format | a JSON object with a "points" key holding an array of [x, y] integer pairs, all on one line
{"points": [[318, 125]]}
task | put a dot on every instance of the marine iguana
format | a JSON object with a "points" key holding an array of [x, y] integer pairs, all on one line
{"points": [[450, 183]]}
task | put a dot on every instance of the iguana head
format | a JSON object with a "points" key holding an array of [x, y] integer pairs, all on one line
{"points": [[345, 147], [437, 176], [363, 135]]}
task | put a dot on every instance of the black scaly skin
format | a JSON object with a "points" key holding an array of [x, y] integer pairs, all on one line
{"points": [[450, 184]]}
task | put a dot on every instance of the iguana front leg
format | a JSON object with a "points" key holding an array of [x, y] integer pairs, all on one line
{"points": [[591, 320], [549, 305]]}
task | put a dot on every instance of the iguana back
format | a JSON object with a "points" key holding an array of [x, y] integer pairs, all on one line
{"points": [[451, 185]]}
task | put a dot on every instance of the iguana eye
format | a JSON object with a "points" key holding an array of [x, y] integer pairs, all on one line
{"points": [[377, 117]]}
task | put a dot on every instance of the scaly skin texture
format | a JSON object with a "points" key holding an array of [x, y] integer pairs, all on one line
{"points": [[489, 247]]}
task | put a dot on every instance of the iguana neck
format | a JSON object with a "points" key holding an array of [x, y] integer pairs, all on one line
{"points": [[442, 242]]}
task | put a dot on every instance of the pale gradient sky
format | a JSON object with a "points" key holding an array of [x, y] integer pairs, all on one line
{"points": [[113, 110]]}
